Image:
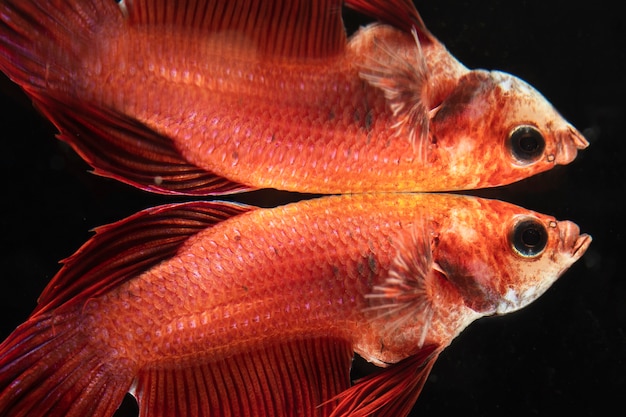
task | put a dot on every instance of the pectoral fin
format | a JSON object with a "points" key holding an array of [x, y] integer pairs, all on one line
{"points": [[405, 294], [405, 82]]}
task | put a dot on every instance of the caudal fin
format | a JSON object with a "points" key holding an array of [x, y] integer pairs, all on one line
{"points": [[49, 368], [41, 40]]}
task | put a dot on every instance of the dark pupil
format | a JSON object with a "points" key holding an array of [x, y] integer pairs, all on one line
{"points": [[529, 238], [526, 144]]}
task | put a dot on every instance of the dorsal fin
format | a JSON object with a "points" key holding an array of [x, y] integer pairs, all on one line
{"points": [[121, 250], [296, 28]]}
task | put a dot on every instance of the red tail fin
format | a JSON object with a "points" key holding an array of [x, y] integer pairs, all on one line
{"points": [[49, 368], [40, 40]]}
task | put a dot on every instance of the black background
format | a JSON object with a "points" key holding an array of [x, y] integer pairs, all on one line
{"points": [[564, 354]]}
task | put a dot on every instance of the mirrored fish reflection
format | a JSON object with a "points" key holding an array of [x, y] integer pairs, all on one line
{"points": [[209, 97], [216, 308]]}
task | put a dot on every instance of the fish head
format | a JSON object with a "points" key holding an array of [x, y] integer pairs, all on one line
{"points": [[504, 126], [542, 249], [500, 257]]}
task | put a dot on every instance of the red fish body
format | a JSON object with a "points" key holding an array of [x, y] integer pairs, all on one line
{"points": [[219, 309], [211, 97]]}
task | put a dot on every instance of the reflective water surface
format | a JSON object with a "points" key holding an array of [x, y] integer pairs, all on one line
{"points": [[565, 353]]}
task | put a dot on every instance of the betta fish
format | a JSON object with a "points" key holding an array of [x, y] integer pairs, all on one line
{"points": [[216, 308], [213, 97]]}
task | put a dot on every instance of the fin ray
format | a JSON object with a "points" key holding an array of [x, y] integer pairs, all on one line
{"points": [[48, 368], [295, 378], [405, 82], [296, 28], [405, 293], [390, 392], [39, 39], [399, 13]]}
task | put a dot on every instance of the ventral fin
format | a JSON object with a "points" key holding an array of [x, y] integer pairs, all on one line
{"points": [[390, 392], [405, 294], [295, 28], [120, 147], [121, 250], [405, 82], [298, 378]]}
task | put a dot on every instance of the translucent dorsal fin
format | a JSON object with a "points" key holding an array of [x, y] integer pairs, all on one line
{"points": [[300, 28]]}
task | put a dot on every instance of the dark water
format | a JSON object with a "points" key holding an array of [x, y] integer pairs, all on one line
{"points": [[564, 354]]}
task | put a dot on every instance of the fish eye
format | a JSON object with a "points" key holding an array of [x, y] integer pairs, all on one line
{"points": [[526, 144], [529, 238]]}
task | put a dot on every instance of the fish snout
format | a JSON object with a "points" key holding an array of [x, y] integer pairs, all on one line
{"points": [[573, 242], [569, 141]]}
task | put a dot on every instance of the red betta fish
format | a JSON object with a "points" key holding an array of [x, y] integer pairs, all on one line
{"points": [[215, 309], [210, 97]]}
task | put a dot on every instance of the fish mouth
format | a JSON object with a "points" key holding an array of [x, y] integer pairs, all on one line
{"points": [[572, 240], [581, 245], [569, 141]]}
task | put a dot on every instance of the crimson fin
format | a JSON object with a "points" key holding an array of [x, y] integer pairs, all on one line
{"points": [[40, 41], [48, 368], [391, 392], [121, 250], [297, 378], [120, 147], [401, 14]]}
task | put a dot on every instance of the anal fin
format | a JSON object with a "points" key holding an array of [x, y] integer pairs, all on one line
{"points": [[391, 392], [120, 147], [296, 378]]}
